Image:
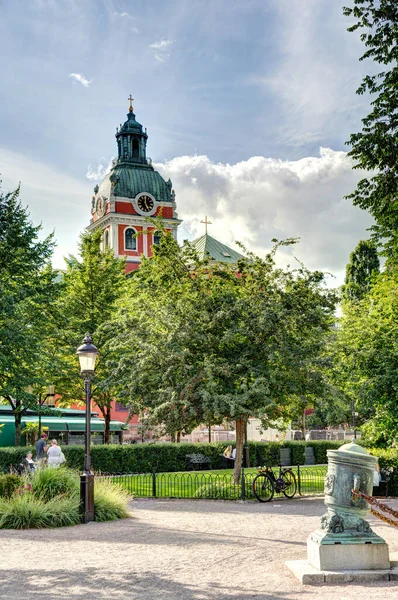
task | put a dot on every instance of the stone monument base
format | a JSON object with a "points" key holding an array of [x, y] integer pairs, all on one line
{"points": [[363, 553], [309, 575]]}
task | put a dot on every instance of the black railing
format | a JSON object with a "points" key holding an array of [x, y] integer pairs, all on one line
{"points": [[211, 484]]}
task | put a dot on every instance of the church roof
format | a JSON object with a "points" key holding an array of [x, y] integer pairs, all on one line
{"points": [[132, 172], [207, 246], [130, 180]]}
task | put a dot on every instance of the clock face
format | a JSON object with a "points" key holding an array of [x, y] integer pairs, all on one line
{"points": [[100, 206], [145, 203]]}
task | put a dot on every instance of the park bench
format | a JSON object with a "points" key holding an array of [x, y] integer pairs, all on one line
{"points": [[227, 461], [197, 461]]}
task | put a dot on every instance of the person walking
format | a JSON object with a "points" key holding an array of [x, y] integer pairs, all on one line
{"points": [[55, 455], [41, 446]]}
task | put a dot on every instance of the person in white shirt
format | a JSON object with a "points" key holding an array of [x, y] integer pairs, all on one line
{"points": [[54, 455]]}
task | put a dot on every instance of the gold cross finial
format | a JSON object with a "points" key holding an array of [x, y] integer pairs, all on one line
{"points": [[131, 103], [206, 223]]}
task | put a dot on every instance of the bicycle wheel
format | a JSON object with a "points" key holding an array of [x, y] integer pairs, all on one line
{"points": [[263, 487], [289, 487]]}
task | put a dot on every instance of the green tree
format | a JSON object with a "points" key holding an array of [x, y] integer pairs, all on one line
{"points": [[367, 358], [91, 287], [375, 147], [220, 341], [361, 271], [27, 290]]}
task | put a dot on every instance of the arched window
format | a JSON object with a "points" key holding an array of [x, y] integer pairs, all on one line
{"points": [[130, 242], [106, 238], [156, 237], [136, 148]]}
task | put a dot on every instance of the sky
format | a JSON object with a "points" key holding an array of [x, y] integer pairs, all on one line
{"points": [[248, 105]]}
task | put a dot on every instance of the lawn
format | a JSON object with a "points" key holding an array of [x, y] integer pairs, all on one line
{"points": [[191, 484]]}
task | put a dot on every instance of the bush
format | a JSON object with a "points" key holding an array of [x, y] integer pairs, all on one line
{"points": [[110, 501], [169, 458], [221, 490], [49, 483], [50, 498], [8, 485], [26, 511]]}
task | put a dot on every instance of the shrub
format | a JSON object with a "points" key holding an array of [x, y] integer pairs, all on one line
{"points": [[49, 483], [26, 511], [221, 490], [110, 501], [8, 485], [168, 458]]}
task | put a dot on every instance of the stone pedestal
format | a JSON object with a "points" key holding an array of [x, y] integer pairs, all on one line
{"points": [[362, 555]]}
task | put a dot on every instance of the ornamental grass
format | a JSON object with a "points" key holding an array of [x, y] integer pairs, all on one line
{"points": [[50, 498]]}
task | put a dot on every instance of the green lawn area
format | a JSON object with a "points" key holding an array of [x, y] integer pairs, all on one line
{"points": [[217, 484]]}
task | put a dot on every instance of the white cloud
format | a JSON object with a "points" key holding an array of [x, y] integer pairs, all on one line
{"points": [[102, 169], [80, 78], [263, 198], [251, 201], [162, 45]]}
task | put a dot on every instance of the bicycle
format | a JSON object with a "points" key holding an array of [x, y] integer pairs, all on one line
{"points": [[265, 484]]}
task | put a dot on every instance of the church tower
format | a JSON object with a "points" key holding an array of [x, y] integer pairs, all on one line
{"points": [[129, 193]]}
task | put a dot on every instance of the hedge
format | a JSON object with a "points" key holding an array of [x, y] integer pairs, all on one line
{"points": [[166, 458]]}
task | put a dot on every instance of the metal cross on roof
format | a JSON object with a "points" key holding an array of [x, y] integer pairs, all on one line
{"points": [[131, 103], [206, 223]]}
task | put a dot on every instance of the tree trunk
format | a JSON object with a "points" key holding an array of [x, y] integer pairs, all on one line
{"points": [[303, 425], [240, 436], [18, 422], [106, 411], [178, 437]]}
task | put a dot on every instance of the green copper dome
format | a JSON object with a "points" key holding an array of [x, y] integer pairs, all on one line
{"points": [[132, 173], [128, 181]]}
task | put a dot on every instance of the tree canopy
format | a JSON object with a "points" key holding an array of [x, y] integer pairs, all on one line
{"points": [[375, 147], [209, 341], [361, 271], [91, 287], [368, 362], [28, 289]]}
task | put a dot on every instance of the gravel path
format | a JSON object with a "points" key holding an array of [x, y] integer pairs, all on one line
{"points": [[178, 550]]}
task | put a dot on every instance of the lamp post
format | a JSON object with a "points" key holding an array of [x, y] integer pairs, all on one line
{"points": [[87, 354]]}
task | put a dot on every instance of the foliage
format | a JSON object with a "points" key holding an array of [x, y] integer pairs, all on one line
{"points": [[110, 501], [12, 457], [27, 289], [375, 147], [9, 483], [167, 458], [367, 358], [224, 491], [26, 511], [49, 483], [361, 271], [31, 431], [50, 498], [91, 287], [199, 342]]}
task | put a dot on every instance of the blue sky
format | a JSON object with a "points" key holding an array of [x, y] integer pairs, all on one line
{"points": [[216, 83]]}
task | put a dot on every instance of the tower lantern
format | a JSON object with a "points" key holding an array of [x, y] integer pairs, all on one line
{"points": [[131, 192]]}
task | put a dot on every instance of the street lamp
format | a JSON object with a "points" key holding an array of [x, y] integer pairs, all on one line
{"points": [[87, 354]]}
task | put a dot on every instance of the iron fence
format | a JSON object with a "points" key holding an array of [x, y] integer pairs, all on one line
{"points": [[212, 484]]}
